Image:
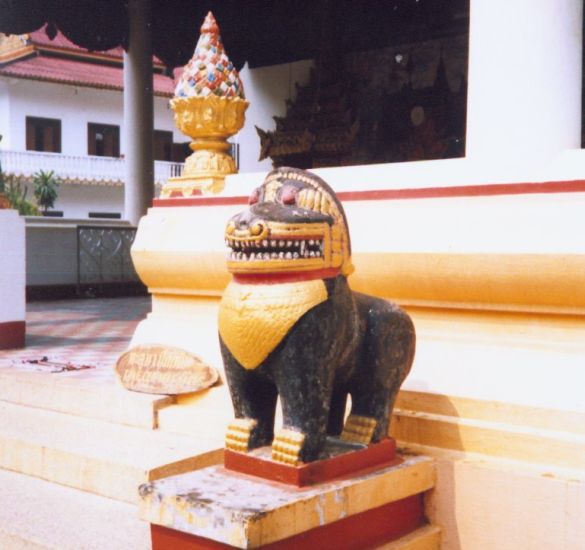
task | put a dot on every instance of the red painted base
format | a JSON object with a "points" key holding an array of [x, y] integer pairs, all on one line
{"points": [[353, 462], [366, 530], [12, 334]]}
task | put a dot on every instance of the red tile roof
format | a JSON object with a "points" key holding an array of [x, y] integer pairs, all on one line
{"points": [[61, 42], [40, 38], [61, 61], [78, 73]]}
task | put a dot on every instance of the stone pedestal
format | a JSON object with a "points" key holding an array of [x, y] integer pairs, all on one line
{"points": [[218, 508]]}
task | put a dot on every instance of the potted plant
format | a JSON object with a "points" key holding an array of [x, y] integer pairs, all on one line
{"points": [[45, 189]]}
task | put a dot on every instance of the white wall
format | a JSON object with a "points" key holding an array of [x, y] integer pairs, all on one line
{"points": [[4, 116], [76, 201], [12, 273], [51, 249], [75, 107], [51, 255], [524, 96], [266, 89]]}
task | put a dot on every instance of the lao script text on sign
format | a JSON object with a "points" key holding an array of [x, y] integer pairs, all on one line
{"points": [[164, 370]]}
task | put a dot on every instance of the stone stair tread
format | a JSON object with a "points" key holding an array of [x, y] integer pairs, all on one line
{"points": [[424, 538], [133, 446], [495, 425], [36, 514], [93, 393], [92, 455], [553, 420], [506, 440]]}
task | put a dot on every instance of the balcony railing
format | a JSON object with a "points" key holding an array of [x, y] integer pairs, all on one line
{"points": [[78, 169]]}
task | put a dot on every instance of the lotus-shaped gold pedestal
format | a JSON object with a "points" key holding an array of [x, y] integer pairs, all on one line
{"points": [[209, 121]]}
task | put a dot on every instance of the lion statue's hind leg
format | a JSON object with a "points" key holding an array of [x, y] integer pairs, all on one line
{"points": [[384, 361]]}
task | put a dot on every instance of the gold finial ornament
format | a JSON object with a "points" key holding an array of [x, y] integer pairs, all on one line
{"points": [[209, 106]]}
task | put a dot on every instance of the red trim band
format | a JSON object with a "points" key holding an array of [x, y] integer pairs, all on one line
{"points": [[12, 334], [575, 186], [284, 277], [467, 191]]}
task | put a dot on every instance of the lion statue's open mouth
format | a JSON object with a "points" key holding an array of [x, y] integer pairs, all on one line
{"points": [[294, 223]]}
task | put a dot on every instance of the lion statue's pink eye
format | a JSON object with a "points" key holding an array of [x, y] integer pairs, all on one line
{"points": [[288, 195], [254, 197]]}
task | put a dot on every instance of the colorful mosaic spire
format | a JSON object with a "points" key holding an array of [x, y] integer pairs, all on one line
{"points": [[210, 72]]}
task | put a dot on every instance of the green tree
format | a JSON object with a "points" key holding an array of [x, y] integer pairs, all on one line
{"points": [[45, 191]]}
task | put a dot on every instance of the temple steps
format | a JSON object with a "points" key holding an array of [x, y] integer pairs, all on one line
{"points": [[425, 538], [39, 515], [493, 411], [497, 430], [92, 455], [75, 446], [88, 393]]}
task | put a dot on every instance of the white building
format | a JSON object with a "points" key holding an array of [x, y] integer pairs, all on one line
{"points": [[61, 109]]}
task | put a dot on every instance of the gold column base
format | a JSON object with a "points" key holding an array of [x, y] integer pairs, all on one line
{"points": [[205, 173]]}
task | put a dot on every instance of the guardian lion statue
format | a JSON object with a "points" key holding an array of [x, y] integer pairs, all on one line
{"points": [[290, 325]]}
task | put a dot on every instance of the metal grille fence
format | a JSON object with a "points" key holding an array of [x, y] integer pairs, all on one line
{"points": [[103, 255]]}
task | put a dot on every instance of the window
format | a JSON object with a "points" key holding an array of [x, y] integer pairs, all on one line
{"points": [[103, 140], [105, 215], [163, 145], [43, 134], [181, 151]]}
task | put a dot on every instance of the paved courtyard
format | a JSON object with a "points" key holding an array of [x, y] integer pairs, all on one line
{"points": [[77, 333]]}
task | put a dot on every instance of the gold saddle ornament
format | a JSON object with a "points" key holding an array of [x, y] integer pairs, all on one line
{"points": [[254, 318]]}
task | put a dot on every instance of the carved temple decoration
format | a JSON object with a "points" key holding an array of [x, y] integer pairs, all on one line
{"points": [[319, 127], [394, 104], [209, 107]]}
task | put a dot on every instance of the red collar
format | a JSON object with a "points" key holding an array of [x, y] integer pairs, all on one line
{"points": [[284, 277]]}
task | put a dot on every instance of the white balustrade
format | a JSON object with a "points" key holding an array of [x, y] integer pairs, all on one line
{"points": [[77, 168]]}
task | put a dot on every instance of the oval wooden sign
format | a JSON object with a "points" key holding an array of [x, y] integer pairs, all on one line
{"points": [[164, 370]]}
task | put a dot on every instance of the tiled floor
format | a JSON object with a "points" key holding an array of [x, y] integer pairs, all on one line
{"points": [[80, 332]]}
